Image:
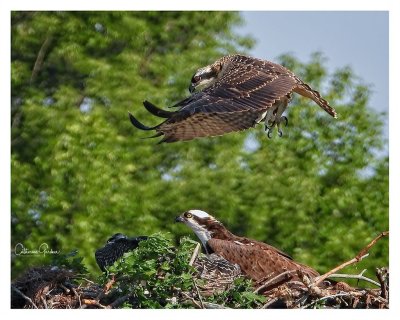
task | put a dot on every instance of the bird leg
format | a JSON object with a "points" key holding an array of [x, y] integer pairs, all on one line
{"points": [[271, 124], [284, 119], [269, 121], [275, 118]]}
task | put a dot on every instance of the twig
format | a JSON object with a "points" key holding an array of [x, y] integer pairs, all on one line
{"points": [[381, 274], [109, 284], [274, 280], [87, 280], [66, 290], [193, 300], [341, 294], [44, 302], [40, 57], [372, 243], [198, 294], [319, 279], [209, 305], [354, 276], [93, 303], [106, 288], [195, 254], [24, 296], [270, 302], [77, 296], [361, 255], [192, 259]]}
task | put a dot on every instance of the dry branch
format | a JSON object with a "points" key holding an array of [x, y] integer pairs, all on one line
{"points": [[279, 278], [195, 254], [354, 276], [362, 254]]}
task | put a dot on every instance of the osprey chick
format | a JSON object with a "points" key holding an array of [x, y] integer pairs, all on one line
{"points": [[257, 260], [115, 248], [234, 93]]}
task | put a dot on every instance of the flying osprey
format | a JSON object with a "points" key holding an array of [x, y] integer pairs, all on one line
{"points": [[257, 260], [234, 93], [115, 248]]}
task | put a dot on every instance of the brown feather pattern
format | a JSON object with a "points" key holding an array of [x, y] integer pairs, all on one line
{"points": [[257, 260], [245, 89]]}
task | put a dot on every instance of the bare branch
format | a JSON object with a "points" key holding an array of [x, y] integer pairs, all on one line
{"points": [[341, 294], [93, 303], [282, 276], [209, 305], [361, 255], [354, 276], [382, 275], [195, 254], [372, 243]]}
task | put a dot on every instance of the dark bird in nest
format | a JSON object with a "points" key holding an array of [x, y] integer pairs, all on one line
{"points": [[115, 248]]}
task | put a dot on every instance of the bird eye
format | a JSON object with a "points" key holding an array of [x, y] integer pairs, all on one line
{"points": [[188, 215], [196, 79]]}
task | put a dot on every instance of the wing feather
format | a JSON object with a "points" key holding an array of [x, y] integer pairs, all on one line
{"points": [[246, 89], [257, 262]]}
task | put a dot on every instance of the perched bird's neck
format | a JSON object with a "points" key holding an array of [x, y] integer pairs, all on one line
{"points": [[218, 231]]}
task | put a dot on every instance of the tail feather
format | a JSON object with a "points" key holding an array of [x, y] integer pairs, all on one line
{"points": [[306, 91]]}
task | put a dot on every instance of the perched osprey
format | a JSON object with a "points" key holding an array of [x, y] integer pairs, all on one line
{"points": [[115, 248], [257, 260], [234, 93]]}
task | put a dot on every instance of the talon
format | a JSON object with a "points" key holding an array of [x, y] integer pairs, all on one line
{"points": [[269, 134], [269, 126], [283, 118], [280, 133]]}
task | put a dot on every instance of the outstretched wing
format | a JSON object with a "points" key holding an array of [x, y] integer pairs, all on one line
{"points": [[246, 88], [237, 101], [257, 262]]}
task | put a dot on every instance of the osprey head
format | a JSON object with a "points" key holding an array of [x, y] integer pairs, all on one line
{"points": [[206, 76], [198, 221]]}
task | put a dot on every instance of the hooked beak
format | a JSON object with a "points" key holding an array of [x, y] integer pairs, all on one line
{"points": [[192, 87], [179, 219]]}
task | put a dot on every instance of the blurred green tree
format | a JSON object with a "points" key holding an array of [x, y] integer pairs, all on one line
{"points": [[81, 172]]}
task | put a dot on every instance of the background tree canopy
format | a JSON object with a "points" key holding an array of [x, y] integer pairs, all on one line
{"points": [[81, 172]]}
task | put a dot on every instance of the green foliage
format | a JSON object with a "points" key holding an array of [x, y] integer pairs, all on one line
{"points": [[81, 172], [154, 273], [240, 296], [70, 261], [157, 272]]}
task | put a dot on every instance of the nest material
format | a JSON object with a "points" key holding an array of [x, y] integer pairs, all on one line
{"points": [[54, 288], [49, 288]]}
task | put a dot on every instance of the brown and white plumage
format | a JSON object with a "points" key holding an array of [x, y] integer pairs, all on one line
{"points": [[236, 93], [215, 273], [257, 260]]}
